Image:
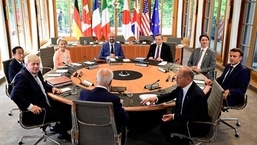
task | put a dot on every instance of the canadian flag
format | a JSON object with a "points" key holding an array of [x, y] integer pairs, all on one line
{"points": [[86, 23]]}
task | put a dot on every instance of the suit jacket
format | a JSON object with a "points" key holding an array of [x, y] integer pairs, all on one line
{"points": [[26, 90], [166, 54], [14, 68], [99, 94], [237, 82], [208, 62], [195, 106], [105, 50], [58, 58]]}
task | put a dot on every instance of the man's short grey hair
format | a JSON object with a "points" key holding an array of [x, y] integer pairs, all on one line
{"points": [[30, 57], [104, 77]]}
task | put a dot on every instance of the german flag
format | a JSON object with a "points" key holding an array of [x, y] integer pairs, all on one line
{"points": [[76, 25]]}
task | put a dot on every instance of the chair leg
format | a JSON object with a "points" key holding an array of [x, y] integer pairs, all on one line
{"points": [[224, 122], [10, 113]]}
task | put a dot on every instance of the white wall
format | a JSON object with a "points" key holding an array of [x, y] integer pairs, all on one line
{"points": [[179, 21], [198, 23]]}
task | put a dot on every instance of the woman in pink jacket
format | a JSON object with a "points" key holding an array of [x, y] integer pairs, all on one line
{"points": [[62, 55]]}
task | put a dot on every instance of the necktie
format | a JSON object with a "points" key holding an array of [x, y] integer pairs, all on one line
{"points": [[199, 61], [157, 52], [42, 89], [180, 101], [228, 73], [112, 49]]}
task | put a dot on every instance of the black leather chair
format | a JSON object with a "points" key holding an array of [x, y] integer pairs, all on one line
{"points": [[8, 86], [46, 56], [27, 123]]}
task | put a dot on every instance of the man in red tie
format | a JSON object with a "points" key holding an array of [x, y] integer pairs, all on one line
{"points": [[160, 51]]}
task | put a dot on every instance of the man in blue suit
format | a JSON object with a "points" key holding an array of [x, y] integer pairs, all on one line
{"points": [[101, 94], [203, 59], [17, 63], [234, 79], [191, 105], [111, 49], [30, 93]]}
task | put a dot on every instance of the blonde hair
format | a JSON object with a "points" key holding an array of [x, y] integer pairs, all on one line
{"points": [[30, 57], [61, 39]]}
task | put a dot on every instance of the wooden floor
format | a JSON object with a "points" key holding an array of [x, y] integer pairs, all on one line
{"points": [[11, 130]]}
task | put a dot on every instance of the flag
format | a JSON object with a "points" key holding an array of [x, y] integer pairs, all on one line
{"points": [[86, 23], [155, 27], [105, 20], [136, 21], [145, 22], [76, 25], [126, 23], [96, 24]]}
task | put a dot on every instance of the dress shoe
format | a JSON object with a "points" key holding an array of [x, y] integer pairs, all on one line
{"points": [[64, 136]]}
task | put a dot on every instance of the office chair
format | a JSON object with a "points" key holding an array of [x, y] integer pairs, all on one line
{"points": [[94, 124], [172, 48], [26, 123], [215, 103], [174, 40], [46, 56], [8, 86], [240, 106]]}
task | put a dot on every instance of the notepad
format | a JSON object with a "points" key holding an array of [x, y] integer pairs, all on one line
{"points": [[163, 63], [126, 60]]}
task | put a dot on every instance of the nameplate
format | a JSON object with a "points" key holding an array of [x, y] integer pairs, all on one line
{"points": [[162, 70], [141, 64], [92, 66], [115, 63], [87, 83], [118, 89]]}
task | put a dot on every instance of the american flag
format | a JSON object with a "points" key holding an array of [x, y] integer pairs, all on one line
{"points": [[145, 21]]}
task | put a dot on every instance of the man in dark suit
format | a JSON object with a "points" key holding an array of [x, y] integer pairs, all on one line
{"points": [[111, 49], [30, 93], [234, 79], [203, 59], [101, 94], [17, 63], [160, 51], [191, 105]]}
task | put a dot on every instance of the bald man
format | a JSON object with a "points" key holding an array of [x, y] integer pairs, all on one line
{"points": [[101, 94], [111, 49], [191, 105]]}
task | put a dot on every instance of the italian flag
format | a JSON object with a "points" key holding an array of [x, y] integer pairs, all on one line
{"points": [[105, 20]]}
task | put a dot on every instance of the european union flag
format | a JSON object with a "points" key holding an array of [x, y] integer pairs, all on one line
{"points": [[155, 27]]}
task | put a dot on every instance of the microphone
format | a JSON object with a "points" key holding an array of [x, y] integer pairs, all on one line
{"points": [[173, 78], [168, 78], [70, 67], [152, 86]]}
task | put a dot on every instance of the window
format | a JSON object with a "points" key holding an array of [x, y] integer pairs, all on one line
{"points": [[43, 24], [187, 18]]}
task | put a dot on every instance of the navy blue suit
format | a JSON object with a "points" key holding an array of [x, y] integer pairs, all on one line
{"points": [[237, 83], [99, 94], [26, 91], [105, 50], [14, 68], [166, 54], [195, 108]]}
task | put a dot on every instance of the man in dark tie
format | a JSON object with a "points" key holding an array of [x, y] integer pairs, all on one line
{"points": [[30, 93], [17, 63], [234, 79], [191, 105], [111, 49], [203, 59], [160, 51]]}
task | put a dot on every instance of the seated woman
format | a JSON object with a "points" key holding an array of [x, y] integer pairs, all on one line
{"points": [[62, 55]]}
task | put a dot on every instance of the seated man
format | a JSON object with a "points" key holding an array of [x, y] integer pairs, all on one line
{"points": [[101, 94], [234, 79], [111, 49], [17, 63], [30, 93], [159, 51], [203, 59], [191, 105]]}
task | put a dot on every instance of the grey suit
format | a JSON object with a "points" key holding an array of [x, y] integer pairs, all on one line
{"points": [[208, 62]]}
